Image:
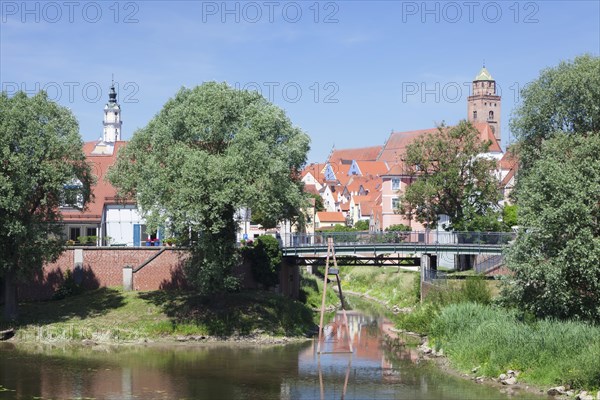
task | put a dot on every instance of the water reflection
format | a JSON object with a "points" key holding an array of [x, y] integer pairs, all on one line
{"points": [[233, 372]]}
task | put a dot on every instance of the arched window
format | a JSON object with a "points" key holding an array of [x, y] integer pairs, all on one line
{"points": [[474, 114], [491, 115]]}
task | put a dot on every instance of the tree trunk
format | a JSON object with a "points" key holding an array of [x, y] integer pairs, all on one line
{"points": [[10, 296]]}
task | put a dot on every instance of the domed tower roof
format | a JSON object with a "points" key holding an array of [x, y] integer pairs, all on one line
{"points": [[484, 75]]}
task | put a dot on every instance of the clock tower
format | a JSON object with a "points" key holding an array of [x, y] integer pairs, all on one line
{"points": [[112, 118]]}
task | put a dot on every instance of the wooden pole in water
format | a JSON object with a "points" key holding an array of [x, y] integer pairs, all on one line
{"points": [[329, 249], [337, 276]]}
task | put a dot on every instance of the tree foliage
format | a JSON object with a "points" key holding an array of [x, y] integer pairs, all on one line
{"points": [[556, 256], [41, 155], [208, 152], [565, 98], [449, 177], [265, 258], [362, 225]]}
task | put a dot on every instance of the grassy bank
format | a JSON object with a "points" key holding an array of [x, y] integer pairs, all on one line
{"points": [[546, 352], [386, 284], [111, 315]]}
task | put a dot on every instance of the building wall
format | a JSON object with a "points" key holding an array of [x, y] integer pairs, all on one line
{"points": [[120, 221], [389, 215]]}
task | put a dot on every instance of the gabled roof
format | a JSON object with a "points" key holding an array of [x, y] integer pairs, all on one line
{"points": [[327, 216], [101, 158], [316, 170], [358, 154], [509, 160]]}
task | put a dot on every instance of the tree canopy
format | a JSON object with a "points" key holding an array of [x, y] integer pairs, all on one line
{"points": [[210, 151], [449, 177], [556, 256], [41, 156], [565, 98]]}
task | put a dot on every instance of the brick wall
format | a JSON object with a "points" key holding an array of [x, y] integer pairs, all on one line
{"points": [[103, 267], [96, 267]]}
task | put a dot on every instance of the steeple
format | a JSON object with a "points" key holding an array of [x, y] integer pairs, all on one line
{"points": [[484, 104], [112, 117]]}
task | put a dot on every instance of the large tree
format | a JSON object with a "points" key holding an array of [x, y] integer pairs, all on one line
{"points": [[556, 254], [210, 151], [565, 98], [41, 156], [449, 176], [555, 259]]}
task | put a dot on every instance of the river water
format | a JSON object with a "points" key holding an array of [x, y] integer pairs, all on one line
{"points": [[229, 371]]}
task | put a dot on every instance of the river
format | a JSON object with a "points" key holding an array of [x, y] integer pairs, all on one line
{"points": [[232, 371]]}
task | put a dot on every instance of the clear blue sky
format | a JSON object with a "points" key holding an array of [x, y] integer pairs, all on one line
{"points": [[363, 67]]}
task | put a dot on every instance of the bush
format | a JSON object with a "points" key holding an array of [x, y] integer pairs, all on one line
{"points": [[68, 287]]}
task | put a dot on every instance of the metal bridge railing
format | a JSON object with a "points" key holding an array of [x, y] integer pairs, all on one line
{"points": [[415, 237]]}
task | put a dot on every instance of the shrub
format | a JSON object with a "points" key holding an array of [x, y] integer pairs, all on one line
{"points": [[68, 287]]}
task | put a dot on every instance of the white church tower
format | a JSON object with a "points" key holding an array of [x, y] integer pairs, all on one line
{"points": [[112, 118]]}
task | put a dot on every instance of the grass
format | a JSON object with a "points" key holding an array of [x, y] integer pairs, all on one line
{"points": [[547, 352], [386, 284], [111, 315]]}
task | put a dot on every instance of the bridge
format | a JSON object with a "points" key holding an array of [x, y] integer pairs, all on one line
{"points": [[397, 248]]}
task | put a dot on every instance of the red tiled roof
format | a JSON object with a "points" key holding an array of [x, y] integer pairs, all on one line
{"points": [[102, 191], [509, 160], [311, 189], [327, 216], [397, 142], [358, 154], [372, 167], [316, 170]]}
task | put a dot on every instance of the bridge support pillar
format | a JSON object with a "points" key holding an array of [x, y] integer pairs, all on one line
{"points": [[428, 271]]}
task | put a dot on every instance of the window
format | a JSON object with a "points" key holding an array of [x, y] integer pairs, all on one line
{"points": [[395, 183], [474, 114], [491, 115], [74, 233], [395, 203]]}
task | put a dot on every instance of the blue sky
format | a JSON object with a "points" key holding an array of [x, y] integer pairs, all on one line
{"points": [[346, 72]]}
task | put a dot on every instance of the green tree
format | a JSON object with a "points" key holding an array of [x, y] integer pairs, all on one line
{"points": [[41, 155], [208, 152], [362, 225], [319, 206], [564, 98], [449, 177], [555, 259]]}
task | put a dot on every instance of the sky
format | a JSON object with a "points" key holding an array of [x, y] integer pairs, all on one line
{"points": [[346, 72]]}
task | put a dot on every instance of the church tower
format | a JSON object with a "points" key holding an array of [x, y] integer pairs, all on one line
{"points": [[112, 118], [484, 105]]}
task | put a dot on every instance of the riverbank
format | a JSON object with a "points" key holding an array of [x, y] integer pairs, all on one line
{"points": [[482, 342], [113, 316]]}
